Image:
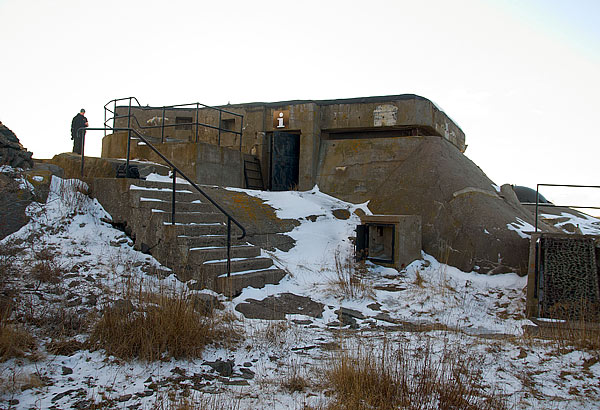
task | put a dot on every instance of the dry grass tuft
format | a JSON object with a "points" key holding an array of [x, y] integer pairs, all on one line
{"points": [[350, 278], [408, 380], [53, 321], [46, 272], [576, 325], [72, 193], [9, 250], [14, 341], [275, 332], [163, 325], [576, 334], [419, 280], [295, 379], [194, 402], [64, 347], [14, 381]]}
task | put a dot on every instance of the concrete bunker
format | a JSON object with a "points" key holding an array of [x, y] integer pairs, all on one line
{"points": [[401, 153]]}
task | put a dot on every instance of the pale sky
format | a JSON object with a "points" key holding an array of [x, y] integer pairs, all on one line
{"points": [[519, 77]]}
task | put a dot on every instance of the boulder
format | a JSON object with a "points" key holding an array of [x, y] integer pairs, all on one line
{"points": [[14, 199], [18, 188], [277, 306], [12, 152]]}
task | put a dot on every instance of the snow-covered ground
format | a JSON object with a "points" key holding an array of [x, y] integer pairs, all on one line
{"points": [[428, 303]]}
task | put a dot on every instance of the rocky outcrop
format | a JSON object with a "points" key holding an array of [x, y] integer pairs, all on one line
{"points": [[20, 188], [14, 199], [12, 152]]}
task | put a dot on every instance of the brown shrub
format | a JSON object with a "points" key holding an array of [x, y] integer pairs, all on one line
{"points": [[164, 325], [294, 380], [8, 255], [54, 321], [408, 380], [14, 341], [46, 272], [64, 347]]}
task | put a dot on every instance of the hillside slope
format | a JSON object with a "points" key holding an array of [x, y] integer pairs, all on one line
{"points": [[68, 268]]}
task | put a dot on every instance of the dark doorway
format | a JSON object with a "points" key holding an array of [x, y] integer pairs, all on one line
{"points": [[285, 153]]}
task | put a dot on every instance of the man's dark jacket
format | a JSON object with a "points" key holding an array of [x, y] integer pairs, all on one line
{"points": [[78, 121]]}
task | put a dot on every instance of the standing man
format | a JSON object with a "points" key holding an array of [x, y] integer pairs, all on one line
{"points": [[79, 121]]}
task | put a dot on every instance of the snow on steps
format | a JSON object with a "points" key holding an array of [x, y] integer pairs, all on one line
{"points": [[202, 230]]}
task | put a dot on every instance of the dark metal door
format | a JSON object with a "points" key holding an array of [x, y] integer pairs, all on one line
{"points": [[285, 154]]}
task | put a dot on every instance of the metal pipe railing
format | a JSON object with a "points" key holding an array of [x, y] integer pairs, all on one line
{"points": [[175, 171], [537, 199], [162, 126], [197, 106]]}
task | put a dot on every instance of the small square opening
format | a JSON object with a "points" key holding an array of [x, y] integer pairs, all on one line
{"points": [[228, 124], [381, 242], [183, 123]]}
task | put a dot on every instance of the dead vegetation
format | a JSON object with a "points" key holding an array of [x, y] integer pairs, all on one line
{"points": [[163, 323], [580, 331], [398, 377], [295, 378], [350, 280], [159, 325], [194, 402], [15, 341]]}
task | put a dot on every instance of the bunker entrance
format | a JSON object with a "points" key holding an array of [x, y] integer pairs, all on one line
{"points": [[285, 155]]}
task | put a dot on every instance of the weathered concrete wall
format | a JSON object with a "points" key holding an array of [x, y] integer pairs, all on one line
{"points": [[355, 169], [464, 218], [220, 166], [207, 163], [312, 120], [149, 119]]}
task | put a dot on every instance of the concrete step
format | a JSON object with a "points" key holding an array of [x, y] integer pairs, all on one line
{"points": [[202, 229], [215, 240], [169, 185], [183, 218], [179, 206], [201, 255], [185, 195], [233, 285], [214, 268], [186, 232]]}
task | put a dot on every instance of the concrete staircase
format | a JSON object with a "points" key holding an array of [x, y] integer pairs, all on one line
{"points": [[195, 247]]}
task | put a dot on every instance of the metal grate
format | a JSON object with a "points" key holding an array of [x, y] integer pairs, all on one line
{"points": [[569, 276]]}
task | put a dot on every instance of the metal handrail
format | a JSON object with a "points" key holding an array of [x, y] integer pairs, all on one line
{"points": [[537, 199], [144, 127], [197, 106], [114, 101], [175, 171]]}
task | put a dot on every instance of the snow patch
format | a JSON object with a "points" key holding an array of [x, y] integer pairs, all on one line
{"points": [[521, 228]]}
